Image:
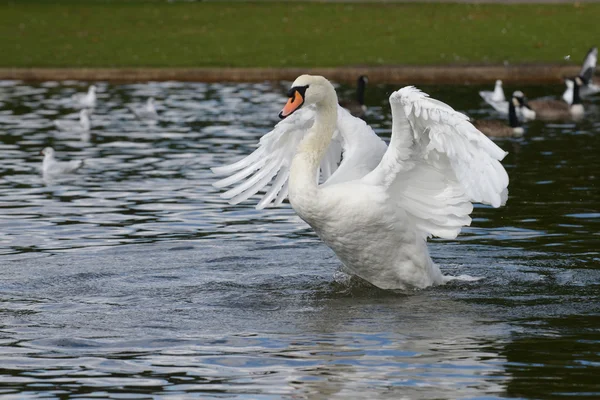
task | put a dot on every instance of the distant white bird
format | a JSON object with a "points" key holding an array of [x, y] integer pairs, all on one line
{"points": [[496, 96], [147, 112], [83, 125], [87, 100], [51, 166], [498, 101], [586, 74]]}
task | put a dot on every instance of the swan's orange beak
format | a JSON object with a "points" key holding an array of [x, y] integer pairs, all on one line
{"points": [[295, 101]]}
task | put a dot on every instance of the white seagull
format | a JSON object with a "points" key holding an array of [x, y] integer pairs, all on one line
{"points": [[87, 100], [52, 167], [498, 101], [147, 112], [375, 206], [83, 125]]}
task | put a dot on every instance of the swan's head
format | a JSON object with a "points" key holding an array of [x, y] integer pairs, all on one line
{"points": [[499, 83], [48, 151], [92, 89], [306, 90]]}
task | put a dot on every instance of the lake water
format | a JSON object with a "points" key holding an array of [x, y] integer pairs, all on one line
{"points": [[133, 279]]}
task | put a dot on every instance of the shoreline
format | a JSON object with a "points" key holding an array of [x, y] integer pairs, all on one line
{"points": [[443, 74]]}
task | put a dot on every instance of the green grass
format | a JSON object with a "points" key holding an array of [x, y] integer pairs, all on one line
{"points": [[70, 33]]}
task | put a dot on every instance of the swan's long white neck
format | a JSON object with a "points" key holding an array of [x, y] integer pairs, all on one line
{"points": [[303, 185]]}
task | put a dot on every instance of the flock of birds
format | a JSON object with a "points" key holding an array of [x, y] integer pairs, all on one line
{"points": [[52, 167], [376, 204]]}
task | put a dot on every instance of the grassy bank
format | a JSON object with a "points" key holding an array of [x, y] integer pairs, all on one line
{"points": [[70, 33]]}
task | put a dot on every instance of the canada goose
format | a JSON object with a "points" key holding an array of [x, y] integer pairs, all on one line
{"points": [[588, 88], [357, 107], [496, 128], [558, 109]]}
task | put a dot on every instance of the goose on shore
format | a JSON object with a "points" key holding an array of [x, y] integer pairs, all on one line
{"points": [[357, 107], [373, 205], [550, 109], [498, 129]]}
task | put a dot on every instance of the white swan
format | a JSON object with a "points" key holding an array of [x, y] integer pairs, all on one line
{"points": [[498, 101], [87, 100], [588, 88], [377, 209], [52, 167]]}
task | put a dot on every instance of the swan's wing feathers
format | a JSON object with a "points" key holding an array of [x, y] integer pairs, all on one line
{"points": [[361, 148], [437, 164], [267, 168], [474, 158]]}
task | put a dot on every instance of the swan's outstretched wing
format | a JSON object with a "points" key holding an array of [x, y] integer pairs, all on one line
{"points": [[438, 163], [589, 65], [354, 144]]}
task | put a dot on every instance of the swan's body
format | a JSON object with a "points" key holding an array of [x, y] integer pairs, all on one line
{"points": [[499, 129], [147, 112], [52, 167], [87, 100], [377, 208], [83, 125], [588, 88], [558, 109], [357, 107], [497, 100]]}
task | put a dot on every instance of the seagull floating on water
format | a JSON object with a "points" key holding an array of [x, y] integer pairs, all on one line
{"points": [[83, 125], [498, 101], [87, 100], [51, 166], [147, 112], [376, 205]]}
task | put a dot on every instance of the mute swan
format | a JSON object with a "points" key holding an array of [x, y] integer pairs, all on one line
{"points": [[558, 109], [588, 88], [357, 107], [379, 206], [87, 100], [495, 128], [50, 166], [497, 100]]}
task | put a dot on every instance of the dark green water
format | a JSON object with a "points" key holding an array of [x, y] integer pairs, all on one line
{"points": [[133, 279]]}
